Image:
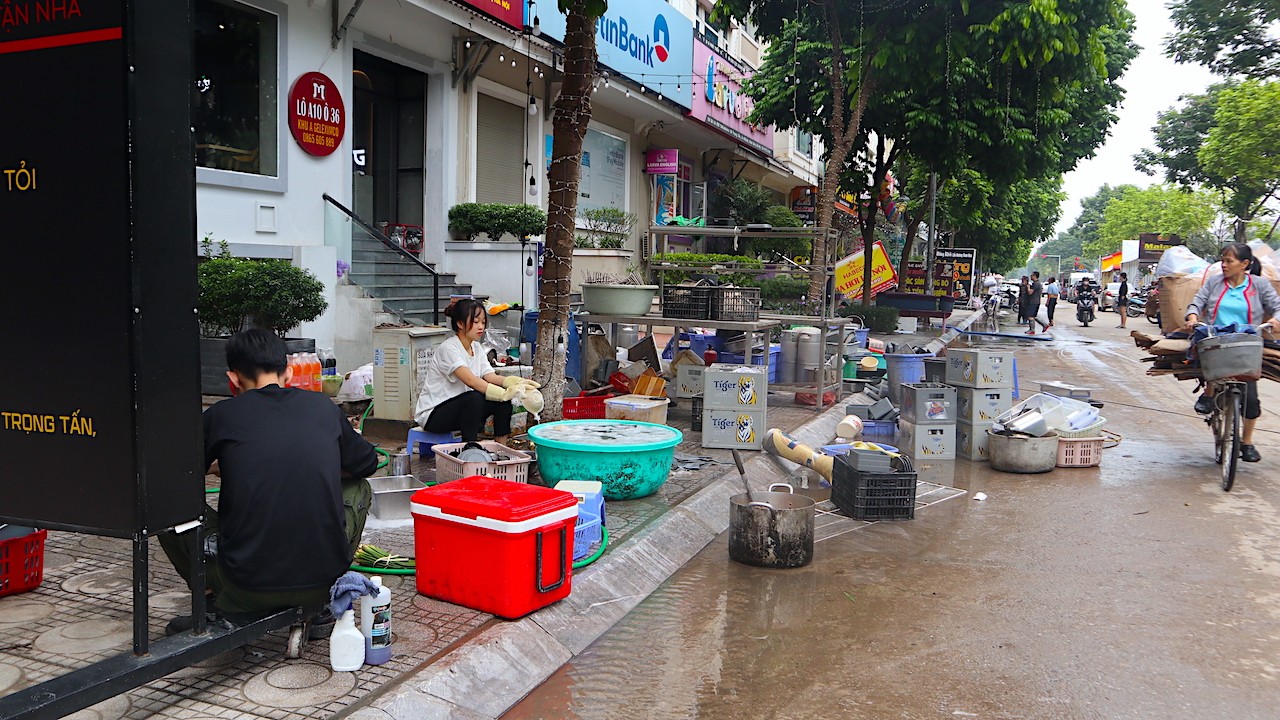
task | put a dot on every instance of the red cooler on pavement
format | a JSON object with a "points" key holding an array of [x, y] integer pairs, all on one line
{"points": [[494, 545]]}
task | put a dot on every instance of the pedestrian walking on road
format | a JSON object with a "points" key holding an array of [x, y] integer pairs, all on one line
{"points": [[1024, 295], [1051, 292], [1034, 291], [1122, 300]]}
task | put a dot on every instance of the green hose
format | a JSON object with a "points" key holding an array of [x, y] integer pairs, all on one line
{"points": [[386, 458], [383, 571], [604, 543]]}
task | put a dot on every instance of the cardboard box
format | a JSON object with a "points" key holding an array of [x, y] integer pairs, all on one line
{"points": [[740, 429], [971, 441], [735, 387], [979, 368], [927, 442], [982, 405], [688, 381], [1176, 293]]}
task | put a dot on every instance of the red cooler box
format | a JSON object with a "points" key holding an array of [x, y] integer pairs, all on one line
{"points": [[494, 545]]}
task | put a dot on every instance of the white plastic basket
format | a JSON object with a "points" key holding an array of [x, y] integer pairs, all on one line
{"points": [[1089, 431], [1050, 408]]}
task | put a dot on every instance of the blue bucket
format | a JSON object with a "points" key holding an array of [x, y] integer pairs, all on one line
{"points": [[903, 369], [862, 336], [529, 334]]}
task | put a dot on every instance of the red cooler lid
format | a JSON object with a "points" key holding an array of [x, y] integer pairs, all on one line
{"points": [[488, 497]]}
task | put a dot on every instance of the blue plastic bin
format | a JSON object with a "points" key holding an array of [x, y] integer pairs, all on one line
{"points": [[573, 347], [586, 534]]}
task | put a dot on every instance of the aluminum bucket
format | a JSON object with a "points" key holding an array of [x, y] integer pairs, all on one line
{"points": [[774, 531]]}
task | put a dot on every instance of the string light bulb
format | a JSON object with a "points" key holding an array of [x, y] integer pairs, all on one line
{"points": [[537, 26], [528, 266], [513, 62], [533, 105], [502, 57], [467, 44]]}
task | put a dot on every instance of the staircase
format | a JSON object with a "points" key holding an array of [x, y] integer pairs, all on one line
{"points": [[404, 288]]}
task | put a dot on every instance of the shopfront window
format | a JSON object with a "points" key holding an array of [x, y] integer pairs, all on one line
{"points": [[603, 182], [235, 111]]}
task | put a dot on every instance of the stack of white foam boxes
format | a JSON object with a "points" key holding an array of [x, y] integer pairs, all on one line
{"points": [[984, 389], [927, 426], [734, 399]]}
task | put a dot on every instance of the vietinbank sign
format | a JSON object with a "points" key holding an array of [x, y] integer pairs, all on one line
{"points": [[648, 41]]}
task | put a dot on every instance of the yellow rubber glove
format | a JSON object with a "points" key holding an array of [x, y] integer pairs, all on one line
{"points": [[529, 383], [511, 381], [495, 393]]}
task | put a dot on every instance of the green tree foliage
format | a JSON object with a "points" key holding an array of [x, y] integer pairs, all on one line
{"points": [[1157, 209], [779, 216], [1244, 145], [1010, 89], [1231, 37], [1001, 221]]}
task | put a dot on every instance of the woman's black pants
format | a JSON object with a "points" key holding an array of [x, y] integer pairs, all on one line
{"points": [[466, 413]]}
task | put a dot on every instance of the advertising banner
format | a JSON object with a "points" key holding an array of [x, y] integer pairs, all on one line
{"points": [[804, 202], [849, 273], [508, 12], [1152, 245], [662, 161], [317, 117], [719, 102], [648, 41], [952, 274]]}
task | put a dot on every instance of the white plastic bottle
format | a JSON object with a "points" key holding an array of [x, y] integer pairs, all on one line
{"points": [[375, 623], [346, 644]]}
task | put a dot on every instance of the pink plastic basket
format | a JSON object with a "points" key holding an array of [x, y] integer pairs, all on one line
{"points": [[450, 468], [1080, 452]]}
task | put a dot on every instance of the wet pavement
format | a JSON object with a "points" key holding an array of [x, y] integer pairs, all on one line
{"points": [[81, 612], [1137, 589]]}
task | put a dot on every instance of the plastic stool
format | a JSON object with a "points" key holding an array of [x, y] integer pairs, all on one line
{"points": [[421, 441]]}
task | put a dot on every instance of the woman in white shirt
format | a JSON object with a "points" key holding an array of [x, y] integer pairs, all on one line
{"points": [[461, 389]]}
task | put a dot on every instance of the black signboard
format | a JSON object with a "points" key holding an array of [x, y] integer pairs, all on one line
{"points": [[99, 411], [1151, 245]]}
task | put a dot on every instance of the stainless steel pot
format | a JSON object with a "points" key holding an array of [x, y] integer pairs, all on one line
{"points": [[774, 531]]}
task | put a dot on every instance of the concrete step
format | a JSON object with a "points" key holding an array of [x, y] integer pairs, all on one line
{"points": [[395, 293], [397, 277]]}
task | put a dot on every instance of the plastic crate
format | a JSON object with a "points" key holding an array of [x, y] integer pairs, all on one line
{"points": [[585, 407], [586, 534], [737, 304], [879, 427], [687, 302], [1080, 452], [1090, 431], [450, 468], [873, 496], [22, 563], [695, 406]]}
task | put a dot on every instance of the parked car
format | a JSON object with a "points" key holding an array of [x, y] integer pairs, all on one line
{"points": [[1107, 300]]}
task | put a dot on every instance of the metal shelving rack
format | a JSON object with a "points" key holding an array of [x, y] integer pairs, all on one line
{"points": [[826, 320]]}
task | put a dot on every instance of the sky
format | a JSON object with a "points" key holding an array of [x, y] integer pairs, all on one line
{"points": [[1152, 84]]}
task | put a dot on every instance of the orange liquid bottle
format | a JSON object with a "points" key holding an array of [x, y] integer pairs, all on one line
{"points": [[314, 370]]}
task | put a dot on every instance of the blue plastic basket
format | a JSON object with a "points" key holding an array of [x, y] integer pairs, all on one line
{"points": [[586, 534]]}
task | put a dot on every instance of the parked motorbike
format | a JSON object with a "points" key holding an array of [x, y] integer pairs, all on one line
{"points": [[1152, 308], [1086, 300], [1137, 305]]}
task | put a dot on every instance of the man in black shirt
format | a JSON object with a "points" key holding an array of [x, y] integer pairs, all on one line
{"points": [[294, 499]]}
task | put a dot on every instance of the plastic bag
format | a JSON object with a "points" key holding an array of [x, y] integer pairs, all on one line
{"points": [[496, 340], [1179, 260], [359, 382]]}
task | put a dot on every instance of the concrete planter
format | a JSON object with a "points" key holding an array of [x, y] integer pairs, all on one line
{"points": [[610, 299], [213, 361]]}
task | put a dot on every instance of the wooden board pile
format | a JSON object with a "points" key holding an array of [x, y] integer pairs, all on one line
{"points": [[1169, 357]]}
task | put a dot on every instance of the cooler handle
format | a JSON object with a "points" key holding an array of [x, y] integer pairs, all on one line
{"points": [[537, 541]]}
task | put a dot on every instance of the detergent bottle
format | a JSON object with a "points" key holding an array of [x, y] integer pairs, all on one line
{"points": [[375, 622], [346, 644]]}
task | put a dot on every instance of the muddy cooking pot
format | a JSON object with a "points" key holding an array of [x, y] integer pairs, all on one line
{"points": [[776, 530]]}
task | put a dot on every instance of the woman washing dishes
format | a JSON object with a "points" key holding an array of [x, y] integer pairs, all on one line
{"points": [[1236, 296], [462, 390]]}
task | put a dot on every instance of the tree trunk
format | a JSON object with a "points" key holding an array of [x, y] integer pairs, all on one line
{"points": [[572, 113], [1240, 230], [913, 227]]}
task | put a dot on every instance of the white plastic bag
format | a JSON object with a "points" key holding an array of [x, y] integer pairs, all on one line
{"points": [[359, 382], [1179, 260]]}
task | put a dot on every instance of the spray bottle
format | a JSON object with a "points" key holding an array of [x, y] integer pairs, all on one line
{"points": [[375, 622], [346, 644]]}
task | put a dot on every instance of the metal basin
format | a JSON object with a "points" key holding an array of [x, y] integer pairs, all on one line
{"points": [[391, 496]]}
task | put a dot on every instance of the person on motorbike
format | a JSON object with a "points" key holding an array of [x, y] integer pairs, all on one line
{"points": [[1235, 298], [1086, 296]]}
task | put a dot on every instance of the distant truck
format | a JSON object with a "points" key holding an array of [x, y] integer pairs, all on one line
{"points": [[1069, 288]]}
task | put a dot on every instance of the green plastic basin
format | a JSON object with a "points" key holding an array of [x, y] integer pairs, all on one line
{"points": [[631, 459]]}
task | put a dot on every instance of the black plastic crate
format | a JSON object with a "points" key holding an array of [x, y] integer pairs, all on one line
{"points": [[687, 302], [873, 496], [696, 409], [741, 304]]}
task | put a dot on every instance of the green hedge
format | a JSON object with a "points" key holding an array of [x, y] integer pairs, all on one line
{"points": [[879, 319], [732, 278], [496, 220]]}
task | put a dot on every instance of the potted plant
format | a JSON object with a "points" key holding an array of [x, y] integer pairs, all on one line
{"points": [[236, 293], [609, 294]]}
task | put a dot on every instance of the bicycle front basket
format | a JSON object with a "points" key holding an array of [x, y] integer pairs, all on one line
{"points": [[1237, 356]]}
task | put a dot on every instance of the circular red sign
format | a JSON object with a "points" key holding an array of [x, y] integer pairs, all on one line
{"points": [[317, 117]]}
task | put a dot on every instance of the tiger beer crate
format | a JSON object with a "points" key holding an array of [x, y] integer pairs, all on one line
{"points": [[735, 387], [733, 429]]}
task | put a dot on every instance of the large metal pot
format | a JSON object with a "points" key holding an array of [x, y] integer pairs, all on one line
{"points": [[774, 531]]}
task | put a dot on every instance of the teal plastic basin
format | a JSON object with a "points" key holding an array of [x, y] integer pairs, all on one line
{"points": [[628, 469]]}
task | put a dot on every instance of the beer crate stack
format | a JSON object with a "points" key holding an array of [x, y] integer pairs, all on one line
{"points": [[983, 382], [927, 426], [734, 400]]}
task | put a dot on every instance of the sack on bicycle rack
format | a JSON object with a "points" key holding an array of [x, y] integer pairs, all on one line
{"points": [[1236, 356]]}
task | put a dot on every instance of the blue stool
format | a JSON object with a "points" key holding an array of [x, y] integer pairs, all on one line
{"points": [[421, 441]]}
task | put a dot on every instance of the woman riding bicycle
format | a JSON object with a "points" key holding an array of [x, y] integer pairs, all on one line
{"points": [[1235, 297]]}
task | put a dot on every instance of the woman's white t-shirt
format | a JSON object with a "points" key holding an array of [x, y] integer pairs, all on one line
{"points": [[440, 383]]}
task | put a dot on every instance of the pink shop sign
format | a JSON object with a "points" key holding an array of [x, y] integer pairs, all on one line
{"points": [[662, 161], [718, 100]]}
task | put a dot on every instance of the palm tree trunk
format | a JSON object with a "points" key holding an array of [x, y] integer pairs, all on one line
{"points": [[572, 114]]}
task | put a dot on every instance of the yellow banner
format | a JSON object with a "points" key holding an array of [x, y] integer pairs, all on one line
{"points": [[849, 273], [1111, 262]]}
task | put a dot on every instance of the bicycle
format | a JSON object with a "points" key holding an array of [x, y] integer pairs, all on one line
{"points": [[991, 312], [1228, 400]]}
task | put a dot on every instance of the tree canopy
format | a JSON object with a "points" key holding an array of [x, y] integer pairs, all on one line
{"points": [[1230, 37], [1001, 221], [1087, 229], [1157, 209]]}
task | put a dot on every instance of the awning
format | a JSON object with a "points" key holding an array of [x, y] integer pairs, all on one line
{"points": [[1112, 262]]}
